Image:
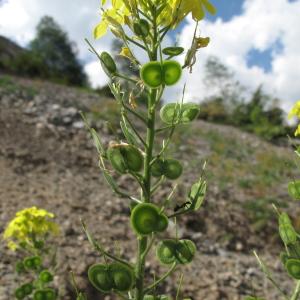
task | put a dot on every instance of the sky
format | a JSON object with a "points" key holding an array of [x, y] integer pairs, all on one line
{"points": [[259, 40]]}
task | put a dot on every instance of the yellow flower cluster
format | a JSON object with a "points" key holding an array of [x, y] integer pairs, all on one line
{"points": [[29, 223], [295, 112], [172, 13]]}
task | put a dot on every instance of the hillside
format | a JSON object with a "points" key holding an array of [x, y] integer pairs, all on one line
{"points": [[47, 159], [8, 51]]}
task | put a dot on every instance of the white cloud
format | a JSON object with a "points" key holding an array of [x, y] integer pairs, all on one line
{"points": [[262, 23]]}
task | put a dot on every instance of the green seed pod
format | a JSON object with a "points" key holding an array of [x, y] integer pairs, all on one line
{"points": [[108, 64], [19, 293], [27, 288], [149, 297], [170, 113], [122, 276], [185, 251], [173, 168], [144, 218], [45, 276], [293, 268], [162, 223], [165, 251], [173, 51], [39, 244], [284, 219], [151, 74], [99, 277], [190, 112], [45, 294], [141, 28], [157, 169], [125, 157], [284, 257], [20, 268], [294, 189], [172, 71], [287, 234], [33, 262], [294, 250]]}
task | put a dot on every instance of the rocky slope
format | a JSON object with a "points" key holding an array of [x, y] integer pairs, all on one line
{"points": [[47, 159]]}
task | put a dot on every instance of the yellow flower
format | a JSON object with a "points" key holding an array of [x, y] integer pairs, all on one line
{"points": [[297, 132], [29, 223], [113, 17], [196, 7], [295, 111]]}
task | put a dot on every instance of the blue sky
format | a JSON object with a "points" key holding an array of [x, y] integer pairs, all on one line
{"points": [[257, 39]]}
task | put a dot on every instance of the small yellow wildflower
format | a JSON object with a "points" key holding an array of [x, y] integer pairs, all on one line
{"points": [[295, 111], [27, 223]]}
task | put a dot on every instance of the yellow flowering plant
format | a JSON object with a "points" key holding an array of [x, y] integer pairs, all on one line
{"points": [[143, 25], [290, 256], [28, 233]]}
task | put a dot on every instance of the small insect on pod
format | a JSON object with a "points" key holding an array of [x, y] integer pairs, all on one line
{"points": [[108, 64], [293, 268], [151, 74], [172, 71], [45, 294], [125, 157], [123, 277], [99, 277], [141, 28], [145, 218]]}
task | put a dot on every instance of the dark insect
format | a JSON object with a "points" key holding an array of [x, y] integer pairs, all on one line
{"points": [[184, 205]]}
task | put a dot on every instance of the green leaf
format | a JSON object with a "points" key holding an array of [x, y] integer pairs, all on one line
{"points": [[197, 194], [294, 189]]}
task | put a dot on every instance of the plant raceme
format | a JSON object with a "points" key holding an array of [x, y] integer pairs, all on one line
{"points": [[28, 233], [144, 24], [290, 257]]}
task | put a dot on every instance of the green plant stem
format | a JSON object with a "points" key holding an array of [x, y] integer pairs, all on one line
{"points": [[167, 274], [296, 293]]}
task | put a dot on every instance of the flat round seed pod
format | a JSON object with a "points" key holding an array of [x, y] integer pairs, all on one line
{"points": [[284, 257], [99, 277], [185, 251], [144, 218], [287, 234], [133, 157], [294, 189], [173, 51], [27, 288], [20, 268], [19, 293], [124, 158], [122, 276], [172, 71], [141, 28], [151, 74], [45, 294], [32, 262], [45, 276], [108, 64], [293, 268], [157, 169], [162, 223], [173, 169], [190, 112], [165, 251], [170, 112], [294, 250]]}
